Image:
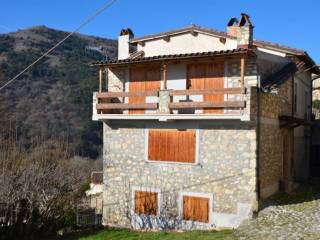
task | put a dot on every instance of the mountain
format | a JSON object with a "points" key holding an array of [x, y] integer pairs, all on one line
{"points": [[53, 98]]}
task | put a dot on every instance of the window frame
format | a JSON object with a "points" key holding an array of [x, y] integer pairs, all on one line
{"points": [[135, 189], [197, 147], [200, 195]]}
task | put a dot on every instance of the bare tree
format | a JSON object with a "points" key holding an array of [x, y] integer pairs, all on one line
{"points": [[41, 182]]}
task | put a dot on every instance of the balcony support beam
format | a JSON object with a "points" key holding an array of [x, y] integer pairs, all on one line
{"points": [[100, 80], [242, 71], [164, 76]]}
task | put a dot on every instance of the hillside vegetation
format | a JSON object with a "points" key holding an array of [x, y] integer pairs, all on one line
{"points": [[54, 98]]}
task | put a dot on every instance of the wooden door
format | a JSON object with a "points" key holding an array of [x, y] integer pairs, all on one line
{"points": [[207, 76], [137, 84], [143, 79], [214, 79], [195, 76], [196, 209]]}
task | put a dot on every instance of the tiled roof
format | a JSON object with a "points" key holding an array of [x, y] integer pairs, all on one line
{"points": [[260, 43], [177, 57]]}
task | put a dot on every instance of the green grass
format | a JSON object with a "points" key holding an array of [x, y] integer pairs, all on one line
{"points": [[117, 234]]}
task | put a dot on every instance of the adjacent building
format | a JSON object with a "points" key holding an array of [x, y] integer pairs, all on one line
{"points": [[200, 126]]}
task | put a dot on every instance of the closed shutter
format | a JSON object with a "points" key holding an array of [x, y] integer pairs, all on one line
{"points": [[207, 76], [137, 84], [196, 209], [146, 203], [214, 80], [143, 79], [172, 145]]}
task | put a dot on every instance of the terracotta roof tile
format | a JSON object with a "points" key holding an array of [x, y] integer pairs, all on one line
{"points": [[176, 57]]}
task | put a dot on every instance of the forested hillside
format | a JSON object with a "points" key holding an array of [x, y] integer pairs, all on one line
{"points": [[54, 98]]}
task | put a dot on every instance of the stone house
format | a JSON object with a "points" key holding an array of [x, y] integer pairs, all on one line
{"points": [[316, 87], [200, 126], [95, 191]]}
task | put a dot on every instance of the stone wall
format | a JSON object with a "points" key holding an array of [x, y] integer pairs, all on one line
{"points": [[316, 92], [225, 171], [117, 78], [272, 105]]}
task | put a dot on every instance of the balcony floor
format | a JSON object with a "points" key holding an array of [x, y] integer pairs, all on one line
{"points": [[168, 117]]}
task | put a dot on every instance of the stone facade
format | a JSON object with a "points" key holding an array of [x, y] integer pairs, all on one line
{"points": [[316, 89], [225, 170], [273, 168]]}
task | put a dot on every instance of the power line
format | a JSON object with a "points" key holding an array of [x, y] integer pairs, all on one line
{"points": [[84, 23]]}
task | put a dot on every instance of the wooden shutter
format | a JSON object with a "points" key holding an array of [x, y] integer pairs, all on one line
{"points": [[195, 76], [172, 145], [143, 79], [196, 209], [146, 202], [137, 84], [214, 79], [207, 76]]}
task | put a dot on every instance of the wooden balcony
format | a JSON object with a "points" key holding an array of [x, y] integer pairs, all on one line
{"points": [[171, 104]]}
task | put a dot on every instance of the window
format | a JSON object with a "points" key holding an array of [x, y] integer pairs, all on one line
{"points": [[145, 202], [196, 209], [295, 97], [172, 145]]}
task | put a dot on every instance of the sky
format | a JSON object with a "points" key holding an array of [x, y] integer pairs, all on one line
{"points": [[289, 22]]}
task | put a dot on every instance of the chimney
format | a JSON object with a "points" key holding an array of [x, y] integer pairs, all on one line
{"points": [[123, 43], [232, 27], [242, 30]]}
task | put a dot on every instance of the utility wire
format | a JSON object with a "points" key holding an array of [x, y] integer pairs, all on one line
{"points": [[84, 23]]}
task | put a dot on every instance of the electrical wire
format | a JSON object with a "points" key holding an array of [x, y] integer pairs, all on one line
{"points": [[84, 23]]}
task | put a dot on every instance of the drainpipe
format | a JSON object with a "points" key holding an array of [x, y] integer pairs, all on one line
{"points": [[258, 136]]}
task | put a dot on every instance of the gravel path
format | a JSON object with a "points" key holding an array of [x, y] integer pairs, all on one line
{"points": [[294, 217]]}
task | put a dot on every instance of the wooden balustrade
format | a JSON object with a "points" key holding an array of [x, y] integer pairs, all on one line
{"points": [[105, 100]]}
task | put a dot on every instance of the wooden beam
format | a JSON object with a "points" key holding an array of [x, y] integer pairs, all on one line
{"points": [[293, 122], [242, 71], [208, 91], [126, 94], [100, 80], [106, 106], [164, 76], [225, 104]]}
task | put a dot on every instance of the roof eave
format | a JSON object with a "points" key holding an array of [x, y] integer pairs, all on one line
{"points": [[180, 57]]}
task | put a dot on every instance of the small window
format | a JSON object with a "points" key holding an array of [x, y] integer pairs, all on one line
{"points": [[146, 203], [172, 145], [196, 209]]}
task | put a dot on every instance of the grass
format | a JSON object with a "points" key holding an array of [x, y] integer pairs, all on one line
{"points": [[117, 234]]}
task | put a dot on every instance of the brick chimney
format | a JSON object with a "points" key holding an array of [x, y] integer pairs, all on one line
{"points": [[232, 27], [242, 30], [123, 43]]}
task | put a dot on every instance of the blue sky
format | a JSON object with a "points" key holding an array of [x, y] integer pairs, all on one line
{"points": [[290, 22]]}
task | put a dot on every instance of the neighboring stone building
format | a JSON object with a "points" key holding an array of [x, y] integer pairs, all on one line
{"points": [[200, 126], [95, 192], [316, 87]]}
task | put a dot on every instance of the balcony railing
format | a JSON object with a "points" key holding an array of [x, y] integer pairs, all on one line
{"points": [[165, 101]]}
